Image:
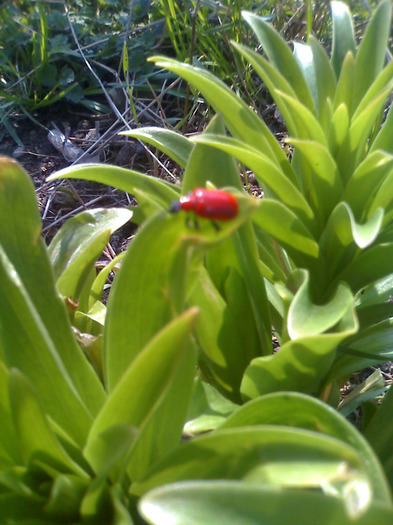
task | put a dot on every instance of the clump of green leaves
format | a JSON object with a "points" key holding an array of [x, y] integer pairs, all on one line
{"points": [[310, 261]]}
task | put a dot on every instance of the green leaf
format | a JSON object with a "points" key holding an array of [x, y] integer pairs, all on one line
{"points": [[34, 306], [381, 82], [344, 90], [325, 187], [283, 225], [302, 364], [142, 299], [247, 253], [123, 179], [343, 235], [298, 410], [280, 55], [306, 318], [241, 121], [352, 150], [208, 164], [338, 128], [173, 144], [240, 503], [324, 78], [372, 387], [369, 266], [208, 408], [149, 377], [28, 346], [372, 50], [343, 35], [307, 125], [78, 244], [273, 80], [363, 187], [97, 287], [218, 337], [36, 439], [258, 454], [9, 449], [163, 430], [384, 194]]}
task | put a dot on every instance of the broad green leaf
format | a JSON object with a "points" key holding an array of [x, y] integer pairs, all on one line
{"points": [[111, 450], [343, 235], [370, 56], [298, 410], [9, 449], [383, 196], [162, 432], [369, 266], [208, 408], [344, 90], [173, 144], [369, 347], [28, 346], [247, 253], [148, 377], [280, 55], [343, 35], [307, 125], [241, 503], [37, 442], [301, 364], [220, 341], [141, 301], [325, 80], [381, 82], [304, 57], [306, 319], [239, 297], [272, 180], [363, 186], [352, 150], [273, 80], [77, 245], [123, 179], [338, 128], [376, 293], [284, 226], [241, 121], [280, 456], [33, 286], [208, 164], [325, 187]]}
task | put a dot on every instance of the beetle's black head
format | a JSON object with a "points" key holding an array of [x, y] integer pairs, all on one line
{"points": [[175, 207]]}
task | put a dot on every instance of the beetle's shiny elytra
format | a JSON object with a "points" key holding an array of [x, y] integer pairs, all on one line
{"points": [[216, 205]]}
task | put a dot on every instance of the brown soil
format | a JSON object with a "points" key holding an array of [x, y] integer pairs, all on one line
{"points": [[62, 199]]}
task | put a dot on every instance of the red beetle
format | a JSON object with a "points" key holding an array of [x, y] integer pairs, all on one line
{"points": [[216, 205]]}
